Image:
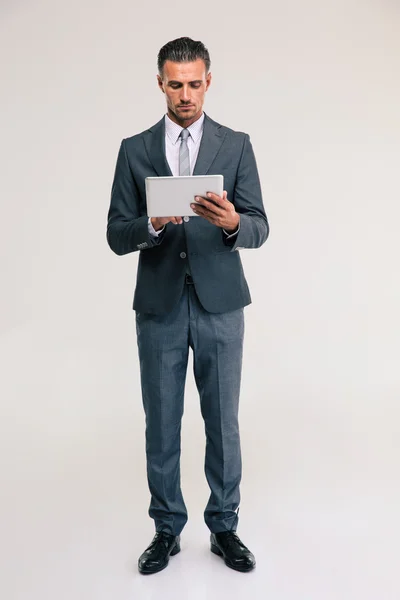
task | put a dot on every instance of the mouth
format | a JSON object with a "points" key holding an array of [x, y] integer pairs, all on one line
{"points": [[185, 107]]}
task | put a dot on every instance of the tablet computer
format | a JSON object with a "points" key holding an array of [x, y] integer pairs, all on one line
{"points": [[171, 196]]}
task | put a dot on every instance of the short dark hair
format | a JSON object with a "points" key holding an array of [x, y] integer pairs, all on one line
{"points": [[183, 49]]}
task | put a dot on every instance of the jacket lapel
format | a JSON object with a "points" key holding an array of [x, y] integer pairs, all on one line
{"points": [[155, 146], [210, 144]]}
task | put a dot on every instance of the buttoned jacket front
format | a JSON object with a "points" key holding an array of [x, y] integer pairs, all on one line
{"points": [[213, 258]]}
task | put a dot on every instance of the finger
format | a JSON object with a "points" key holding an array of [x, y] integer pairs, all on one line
{"points": [[206, 214], [204, 200], [199, 209], [220, 200], [209, 205]]}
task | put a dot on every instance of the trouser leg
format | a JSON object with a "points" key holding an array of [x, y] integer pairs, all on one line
{"points": [[217, 342], [163, 354]]}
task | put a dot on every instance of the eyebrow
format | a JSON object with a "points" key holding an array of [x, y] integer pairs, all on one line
{"points": [[195, 81]]}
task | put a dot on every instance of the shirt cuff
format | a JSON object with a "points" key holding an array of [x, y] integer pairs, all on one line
{"points": [[151, 229], [228, 235]]}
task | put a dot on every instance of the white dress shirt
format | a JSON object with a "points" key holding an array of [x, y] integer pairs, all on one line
{"points": [[172, 145]]}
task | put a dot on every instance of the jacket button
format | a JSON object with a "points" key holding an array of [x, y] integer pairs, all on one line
{"points": [[186, 219], [183, 255]]}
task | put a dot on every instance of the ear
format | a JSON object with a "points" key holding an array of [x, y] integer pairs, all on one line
{"points": [[208, 80], [160, 84]]}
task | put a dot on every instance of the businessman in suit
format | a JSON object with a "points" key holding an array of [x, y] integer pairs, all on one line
{"points": [[190, 293]]}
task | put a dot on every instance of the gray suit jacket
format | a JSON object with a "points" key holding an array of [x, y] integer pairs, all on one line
{"points": [[214, 260]]}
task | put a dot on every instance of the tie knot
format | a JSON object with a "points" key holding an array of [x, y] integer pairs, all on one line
{"points": [[184, 134]]}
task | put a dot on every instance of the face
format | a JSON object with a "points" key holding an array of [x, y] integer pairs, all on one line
{"points": [[184, 85]]}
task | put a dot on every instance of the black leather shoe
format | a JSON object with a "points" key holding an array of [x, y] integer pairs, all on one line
{"points": [[236, 555], [156, 556]]}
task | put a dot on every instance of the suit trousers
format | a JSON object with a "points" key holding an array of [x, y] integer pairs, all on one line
{"points": [[216, 340]]}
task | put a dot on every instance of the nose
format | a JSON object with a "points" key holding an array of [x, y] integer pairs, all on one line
{"points": [[185, 95]]}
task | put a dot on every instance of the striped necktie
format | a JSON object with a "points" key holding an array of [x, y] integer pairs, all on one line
{"points": [[184, 163]]}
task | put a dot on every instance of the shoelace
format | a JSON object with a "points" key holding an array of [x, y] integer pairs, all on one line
{"points": [[162, 537], [231, 538]]}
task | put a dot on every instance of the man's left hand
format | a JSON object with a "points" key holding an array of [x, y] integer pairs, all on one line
{"points": [[218, 210]]}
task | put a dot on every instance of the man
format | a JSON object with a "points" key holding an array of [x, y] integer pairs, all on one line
{"points": [[190, 293]]}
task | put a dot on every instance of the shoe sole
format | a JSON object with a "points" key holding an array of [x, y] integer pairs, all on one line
{"points": [[175, 550], [217, 551]]}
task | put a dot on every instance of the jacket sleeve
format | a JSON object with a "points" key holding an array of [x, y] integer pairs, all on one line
{"points": [[127, 231], [248, 202]]}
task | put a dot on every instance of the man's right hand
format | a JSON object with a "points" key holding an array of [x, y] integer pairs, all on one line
{"points": [[159, 222]]}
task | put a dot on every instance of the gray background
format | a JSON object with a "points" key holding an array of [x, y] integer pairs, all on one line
{"points": [[316, 85]]}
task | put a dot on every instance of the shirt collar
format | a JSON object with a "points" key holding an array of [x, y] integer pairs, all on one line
{"points": [[173, 130]]}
